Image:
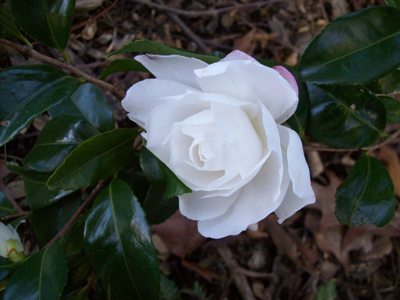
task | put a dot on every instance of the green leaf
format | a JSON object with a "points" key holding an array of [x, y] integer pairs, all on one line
{"points": [[345, 116], [160, 176], [394, 3], [326, 291], [36, 191], [41, 276], [157, 208], [168, 289], [122, 65], [355, 48], [8, 29], [392, 107], [58, 138], [119, 245], [46, 21], [6, 207], [79, 270], [88, 103], [6, 267], [97, 158], [386, 85], [48, 221], [366, 196], [151, 47], [28, 91]]}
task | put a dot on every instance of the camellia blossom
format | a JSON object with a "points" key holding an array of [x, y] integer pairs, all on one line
{"points": [[10, 244], [218, 128]]}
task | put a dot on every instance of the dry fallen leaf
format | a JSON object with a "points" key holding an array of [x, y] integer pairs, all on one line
{"points": [[88, 4], [391, 159], [246, 43]]}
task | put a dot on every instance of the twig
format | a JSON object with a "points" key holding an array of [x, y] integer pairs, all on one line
{"points": [[200, 13], [10, 197], [240, 279], [29, 51], [320, 147], [14, 216], [5, 155], [187, 30], [81, 208], [96, 17]]}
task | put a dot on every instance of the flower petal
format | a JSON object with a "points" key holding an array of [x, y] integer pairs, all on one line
{"points": [[197, 207], [250, 81], [145, 95], [237, 55], [173, 67]]}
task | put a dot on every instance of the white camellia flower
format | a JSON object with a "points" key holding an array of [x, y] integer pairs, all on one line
{"points": [[217, 127], [10, 244]]}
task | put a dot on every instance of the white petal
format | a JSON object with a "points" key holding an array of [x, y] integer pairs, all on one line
{"points": [[237, 55], [173, 67], [298, 169], [289, 77], [238, 130], [250, 81], [254, 203], [145, 95], [196, 207]]}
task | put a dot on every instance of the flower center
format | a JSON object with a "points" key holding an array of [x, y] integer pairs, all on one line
{"points": [[200, 152]]}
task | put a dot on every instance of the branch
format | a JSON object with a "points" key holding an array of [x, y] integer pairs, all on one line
{"points": [[10, 197], [200, 13], [14, 216], [80, 210], [29, 51], [320, 147]]}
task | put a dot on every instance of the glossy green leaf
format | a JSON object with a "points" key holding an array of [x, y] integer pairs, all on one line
{"points": [[58, 138], [386, 85], [119, 245], [46, 21], [8, 28], [345, 116], [28, 91], [157, 208], [392, 107], [151, 47], [122, 65], [36, 191], [355, 48], [48, 221], [42, 276], [160, 176], [394, 3], [6, 207], [97, 158], [367, 195], [90, 104], [6, 267]]}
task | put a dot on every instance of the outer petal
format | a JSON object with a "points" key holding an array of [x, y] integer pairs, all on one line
{"points": [[145, 95], [173, 67], [250, 81], [254, 203], [237, 55], [194, 206]]}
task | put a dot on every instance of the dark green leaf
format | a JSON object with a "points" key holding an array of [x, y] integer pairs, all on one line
{"points": [[157, 208], [394, 3], [119, 245], [344, 116], [8, 29], [97, 158], [87, 103], [48, 221], [168, 289], [160, 176], [6, 207], [355, 48], [386, 85], [46, 21], [58, 138], [6, 267], [37, 193], [151, 47], [392, 107], [28, 91], [41, 276], [367, 195], [78, 272], [122, 65], [326, 291]]}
